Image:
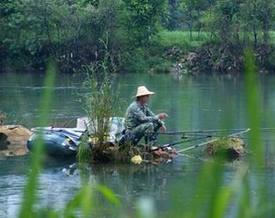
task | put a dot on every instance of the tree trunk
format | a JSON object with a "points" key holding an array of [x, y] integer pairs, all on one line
{"points": [[254, 26], [266, 21], [190, 27]]}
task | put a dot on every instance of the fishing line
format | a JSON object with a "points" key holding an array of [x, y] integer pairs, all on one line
{"points": [[200, 131], [191, 140], [214, 130], [214, 140], [179, 142], [264, 139], [194, 157]]}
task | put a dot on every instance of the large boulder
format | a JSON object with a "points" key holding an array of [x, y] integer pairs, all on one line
{"points": [[13, 140], [229, 148]]}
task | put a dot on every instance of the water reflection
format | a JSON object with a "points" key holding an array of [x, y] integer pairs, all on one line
{"points": [[60, 180], [192, 102], [11, 187], [133, 182]]}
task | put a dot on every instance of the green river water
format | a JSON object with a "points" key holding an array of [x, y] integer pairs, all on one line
{"points": [[192, 103]]}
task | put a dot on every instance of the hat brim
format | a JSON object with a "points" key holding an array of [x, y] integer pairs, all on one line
{"points": [[143, 94]]}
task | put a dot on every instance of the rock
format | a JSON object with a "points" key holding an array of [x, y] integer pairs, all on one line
{"points": [[191, 58], [229, 148], [13, 140], [2, 118], [3, 141]]}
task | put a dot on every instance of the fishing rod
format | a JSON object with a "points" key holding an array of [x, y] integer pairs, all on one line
{"points": [[212, 131], [179, 142], [199, 131], [213, 140]]}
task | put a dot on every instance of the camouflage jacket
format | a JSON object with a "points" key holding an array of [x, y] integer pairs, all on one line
{"points": [[137, 114]]}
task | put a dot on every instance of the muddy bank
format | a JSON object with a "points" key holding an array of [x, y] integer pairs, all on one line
{"points": [[220, 59]]}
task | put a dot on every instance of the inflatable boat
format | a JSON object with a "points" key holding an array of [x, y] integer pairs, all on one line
{"points": [[65, 141], [56, 141]]}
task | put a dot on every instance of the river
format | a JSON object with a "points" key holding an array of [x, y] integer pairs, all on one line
{"points": [[193, 102]]}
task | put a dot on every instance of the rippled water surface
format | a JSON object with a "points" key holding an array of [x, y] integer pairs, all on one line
{"points": [[192, 102]]}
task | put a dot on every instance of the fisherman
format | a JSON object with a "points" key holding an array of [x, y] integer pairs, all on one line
{"points": [[141, 121]]}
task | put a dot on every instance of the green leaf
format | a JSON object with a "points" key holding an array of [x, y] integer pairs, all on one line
{"points": [[108, 194]]}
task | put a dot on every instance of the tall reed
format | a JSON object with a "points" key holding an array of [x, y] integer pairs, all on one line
{"points": [[102, 103]]}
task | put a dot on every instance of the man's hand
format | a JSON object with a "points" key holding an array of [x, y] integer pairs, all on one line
{"points": [[162, 115], [163, 128]]}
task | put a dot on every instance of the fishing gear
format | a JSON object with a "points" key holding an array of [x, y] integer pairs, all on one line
{"points": [[179, 142], [195, 132], [200, 131], [214, 140]]}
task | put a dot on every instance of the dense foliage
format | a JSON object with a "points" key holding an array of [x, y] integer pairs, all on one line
{"points": [[71, 31]]}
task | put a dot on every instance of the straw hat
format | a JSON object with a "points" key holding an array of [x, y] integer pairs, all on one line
{"points": [[141, 91]]}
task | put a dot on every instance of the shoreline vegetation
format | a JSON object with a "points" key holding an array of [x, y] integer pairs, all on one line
{"points": [[151, 37], [172, 52]]}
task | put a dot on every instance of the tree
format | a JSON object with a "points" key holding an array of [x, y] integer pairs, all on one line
{"points": [[174, 15], [68, 30], [190, 13], [37, 29], [142, 18], [268, 15]]}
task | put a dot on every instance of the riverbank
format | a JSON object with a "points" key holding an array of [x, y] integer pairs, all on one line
{"points": [[212, 58], [168, 52]]}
